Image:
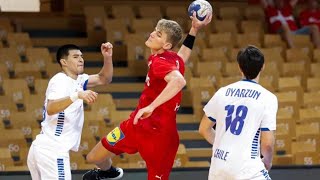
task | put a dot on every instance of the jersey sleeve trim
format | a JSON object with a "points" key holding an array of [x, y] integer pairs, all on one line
{"points": [[212, 119], [85, 85], [265, 129]]}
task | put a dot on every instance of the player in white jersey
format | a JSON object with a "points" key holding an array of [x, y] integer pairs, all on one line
{"points": [[63, 119], [245, 116]]}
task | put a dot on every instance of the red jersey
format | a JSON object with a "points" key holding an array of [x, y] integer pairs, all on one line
{"points": [[159, 66], [156, 137], [308, 17], [276, 17]]}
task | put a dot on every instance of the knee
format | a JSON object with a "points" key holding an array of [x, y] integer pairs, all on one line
{"points": [[91, 158]]}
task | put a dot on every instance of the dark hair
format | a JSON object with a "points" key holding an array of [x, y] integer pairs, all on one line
{"points": [[250, 60], [63, 51]]}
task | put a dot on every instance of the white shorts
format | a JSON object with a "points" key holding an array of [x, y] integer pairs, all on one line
{"points": [[48, 165], [262, 175]]}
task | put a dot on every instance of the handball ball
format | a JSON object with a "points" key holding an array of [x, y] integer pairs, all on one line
{"points": [[201, 7]]}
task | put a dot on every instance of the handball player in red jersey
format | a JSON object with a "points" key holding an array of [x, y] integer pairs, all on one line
{"points": [[151, 129]]}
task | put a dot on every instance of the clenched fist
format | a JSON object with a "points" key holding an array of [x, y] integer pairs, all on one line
{"points": [[106, 49], [88, 96]]}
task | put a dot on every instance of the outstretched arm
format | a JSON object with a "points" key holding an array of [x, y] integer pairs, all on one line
{"points": [[175, 83], [185, 51], [106, 72], [57, 105]]}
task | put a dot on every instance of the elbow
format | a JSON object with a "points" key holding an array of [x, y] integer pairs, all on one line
{"points": [[50, 112], [184, 83], [181, 82], [105, 80], [267, 149], [109, 80], [201, 131]]}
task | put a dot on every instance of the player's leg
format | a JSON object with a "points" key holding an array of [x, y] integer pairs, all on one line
{"points": [[54, 165], [115, 143], [101, 157], [160, 168], [32, 164], [160, 171], [64, 168], [51, 164], [159, 155]]}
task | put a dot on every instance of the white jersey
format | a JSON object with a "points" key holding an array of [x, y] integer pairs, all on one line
{"points": [[62, 131], [241, 111]]}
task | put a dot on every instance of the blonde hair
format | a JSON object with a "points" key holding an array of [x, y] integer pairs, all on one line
{"points": [[172, 29]]}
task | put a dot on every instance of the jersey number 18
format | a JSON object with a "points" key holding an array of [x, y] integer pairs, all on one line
{"points": [[235, 124]]}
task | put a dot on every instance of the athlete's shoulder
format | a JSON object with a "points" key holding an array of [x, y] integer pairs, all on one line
{"points": [[222, 90], [83, 77], [267, 92], [272, 97], [268, 95], [57, 81], [170, 56], [58, 77]]}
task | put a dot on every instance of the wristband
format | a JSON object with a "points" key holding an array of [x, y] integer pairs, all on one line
{"points": [[189, 41], [74, 96]]}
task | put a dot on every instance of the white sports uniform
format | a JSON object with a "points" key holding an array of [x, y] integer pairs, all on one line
{"points": [[48, 156], [241, 111]]}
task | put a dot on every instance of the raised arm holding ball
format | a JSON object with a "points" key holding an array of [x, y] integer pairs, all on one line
{"points": [[151, 129]]}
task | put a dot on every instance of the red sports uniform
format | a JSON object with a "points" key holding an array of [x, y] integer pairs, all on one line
{"points": [[308, 17], [276, 16], [156, 137]]}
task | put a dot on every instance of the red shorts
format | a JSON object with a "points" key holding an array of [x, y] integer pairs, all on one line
{"points": [[157, 146]]}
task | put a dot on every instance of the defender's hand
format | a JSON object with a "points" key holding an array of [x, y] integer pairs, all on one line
{"points": [[88, 96]]}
